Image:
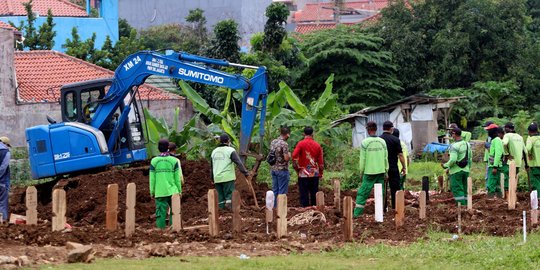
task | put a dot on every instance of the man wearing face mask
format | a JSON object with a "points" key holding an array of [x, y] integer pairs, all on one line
{"points": [[495, 162]]}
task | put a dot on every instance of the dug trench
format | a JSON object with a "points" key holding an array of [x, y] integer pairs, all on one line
{"points": [[86, 200]]}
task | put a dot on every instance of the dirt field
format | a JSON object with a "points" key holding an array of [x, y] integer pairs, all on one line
{"points": [[86, 213]]}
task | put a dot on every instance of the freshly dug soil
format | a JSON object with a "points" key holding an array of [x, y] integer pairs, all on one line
{"points": [[86, 200]]}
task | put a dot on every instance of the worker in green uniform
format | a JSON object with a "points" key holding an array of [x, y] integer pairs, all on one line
{"points": [[459, 166], [373, 166], [223, 172], [514, 149], [495, 161], [465, 135], [487, 144], [165, 181], [403, 175], [533, 150]]}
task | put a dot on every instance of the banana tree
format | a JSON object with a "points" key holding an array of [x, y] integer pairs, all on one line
{"points": [[224, 120], [158, 128]]}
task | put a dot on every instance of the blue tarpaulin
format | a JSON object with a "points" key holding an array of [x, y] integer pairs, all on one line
{"points": [[436, 147]]}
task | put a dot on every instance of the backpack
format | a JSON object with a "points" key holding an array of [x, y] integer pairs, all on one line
{"points": [[465, 161], [271, 158]]}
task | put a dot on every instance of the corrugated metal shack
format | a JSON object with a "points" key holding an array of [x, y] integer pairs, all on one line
{"points": [[415, 116]]}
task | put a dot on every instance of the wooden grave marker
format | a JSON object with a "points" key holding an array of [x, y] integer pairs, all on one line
{"points": [[400, 208], [111, 210], [512, 186], [131, 198], [320, 200], [31, 205], [459, 218], [534, 207], [422, 205], [502, 186], [440, 181], [337, 195], [59, 209], [176, 204], [378, 203], [237, 219], [213, 214], [348, 208], [469, 193], [281, 215]]}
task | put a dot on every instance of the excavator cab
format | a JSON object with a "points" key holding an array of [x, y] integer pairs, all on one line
{"points": [[60, 148]]}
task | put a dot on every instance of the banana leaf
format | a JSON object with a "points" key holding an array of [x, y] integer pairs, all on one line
{"points": [[293, 100]]}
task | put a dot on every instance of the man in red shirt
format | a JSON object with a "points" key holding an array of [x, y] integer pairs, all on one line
{"points": [[309, 165]]}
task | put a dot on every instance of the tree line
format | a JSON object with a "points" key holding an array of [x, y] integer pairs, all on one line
{"points": [[484, 50]]}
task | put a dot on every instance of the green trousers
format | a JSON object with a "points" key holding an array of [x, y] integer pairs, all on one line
{"points": [[163, 206], [534, 173], [224, 191], [458, 185], [494, 182], [365, 189]]}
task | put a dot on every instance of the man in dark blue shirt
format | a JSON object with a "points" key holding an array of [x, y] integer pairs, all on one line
{"points": [[394, 153]]}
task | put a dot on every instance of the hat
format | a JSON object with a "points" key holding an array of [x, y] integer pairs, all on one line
{"points": [[224, 138], [533, 127], [491, 126], [487, 123], [509, 125], [6, 141], [387, 125], [456, 131], [452, 126]]}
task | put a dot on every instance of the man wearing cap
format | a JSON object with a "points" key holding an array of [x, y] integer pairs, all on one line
{"points": [[5, 156], [395, 152], [465, 135], [533, 150], [459, 166], [373, 166], [514, 149], [495, 161], [223, 172], [487, 144]]}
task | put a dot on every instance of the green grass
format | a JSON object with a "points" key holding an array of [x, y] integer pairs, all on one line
{"points": [[472, 252], [418, 169]]}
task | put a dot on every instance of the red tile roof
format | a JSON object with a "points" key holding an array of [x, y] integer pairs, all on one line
{"points": [[310, 27], [323, 11], [59, 8], [6, 26], [304, 28], [40, 74]]}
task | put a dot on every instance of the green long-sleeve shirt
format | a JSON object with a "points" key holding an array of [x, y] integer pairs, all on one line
{"points": [[533, 150], [373, 156], [165, 176], [458, 151], [496, 153], [514, 146]]}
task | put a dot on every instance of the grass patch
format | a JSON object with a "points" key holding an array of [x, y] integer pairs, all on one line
{"points": [[418, 169], [472, 252]]}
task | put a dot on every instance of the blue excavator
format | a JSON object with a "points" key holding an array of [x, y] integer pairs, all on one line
{"points": [[102, 124]]}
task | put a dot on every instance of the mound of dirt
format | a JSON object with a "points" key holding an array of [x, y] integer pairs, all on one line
{"points": [[86, 200]]}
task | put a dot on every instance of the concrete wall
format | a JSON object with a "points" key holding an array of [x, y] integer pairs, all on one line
{"points": [[15, 118], [106, 25], [248, 13]]}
